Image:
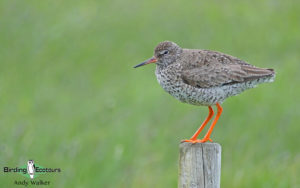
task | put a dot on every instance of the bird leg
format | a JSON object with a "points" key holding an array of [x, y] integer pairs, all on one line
{"points": [[210, 115], [194, 137], [206, 137]]}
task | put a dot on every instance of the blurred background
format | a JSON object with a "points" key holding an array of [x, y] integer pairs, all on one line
{"points": [[69, 97]]}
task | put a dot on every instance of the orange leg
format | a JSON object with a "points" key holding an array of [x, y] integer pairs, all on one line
{"points": [[210, 115], [206, 137]]}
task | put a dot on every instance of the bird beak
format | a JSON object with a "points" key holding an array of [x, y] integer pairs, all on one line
{"points": [[151, 60]]}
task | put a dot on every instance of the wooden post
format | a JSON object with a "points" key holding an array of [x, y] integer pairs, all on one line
{"points": [[199, 165]]}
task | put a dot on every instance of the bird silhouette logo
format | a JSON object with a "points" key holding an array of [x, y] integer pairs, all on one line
{"points": [[31, 168]]}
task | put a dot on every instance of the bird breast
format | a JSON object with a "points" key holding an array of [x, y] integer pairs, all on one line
{"points": [[170, 79]]}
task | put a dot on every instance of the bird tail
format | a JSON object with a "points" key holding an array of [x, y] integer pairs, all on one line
{"points": [[268, 75], [31, 175], [271, 76]]}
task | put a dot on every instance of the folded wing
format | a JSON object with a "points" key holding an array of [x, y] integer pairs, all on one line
{"points": [[216, 74]]}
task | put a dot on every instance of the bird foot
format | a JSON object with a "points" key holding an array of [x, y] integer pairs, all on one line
{"points": [[197, 140]]}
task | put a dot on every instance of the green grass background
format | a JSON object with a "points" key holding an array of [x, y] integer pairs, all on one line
{"points": [[69, 97]]}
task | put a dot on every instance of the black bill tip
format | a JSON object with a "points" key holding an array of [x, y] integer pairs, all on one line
{"points": [[139, 65]]}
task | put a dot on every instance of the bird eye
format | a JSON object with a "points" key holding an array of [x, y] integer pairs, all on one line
{"points": [[165, 52]]}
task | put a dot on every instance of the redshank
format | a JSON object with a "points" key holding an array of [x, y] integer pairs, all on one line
{"points": [[204, 78]]}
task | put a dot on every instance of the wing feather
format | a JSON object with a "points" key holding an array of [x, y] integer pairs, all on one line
{"points": [[214, 72]]}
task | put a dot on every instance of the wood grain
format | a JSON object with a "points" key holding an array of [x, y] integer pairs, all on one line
{"points": [[199, 165]]}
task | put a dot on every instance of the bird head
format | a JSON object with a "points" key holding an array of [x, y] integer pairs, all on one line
{"points": [[165, 53], [30, 162]]}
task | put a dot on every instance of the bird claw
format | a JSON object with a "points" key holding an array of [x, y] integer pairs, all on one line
{"points": [[197, 141]]}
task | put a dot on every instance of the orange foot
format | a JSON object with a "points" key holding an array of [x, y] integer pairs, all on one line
{"points": [[197, 141]]}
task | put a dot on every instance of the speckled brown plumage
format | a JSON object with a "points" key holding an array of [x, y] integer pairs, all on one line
{"points": [[204, 77], [213, 69]]}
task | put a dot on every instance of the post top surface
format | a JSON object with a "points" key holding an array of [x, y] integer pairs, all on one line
{"points": [[206, 144]]}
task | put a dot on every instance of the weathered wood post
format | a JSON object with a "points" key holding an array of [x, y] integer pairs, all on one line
{"points": [[199, 165]]}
